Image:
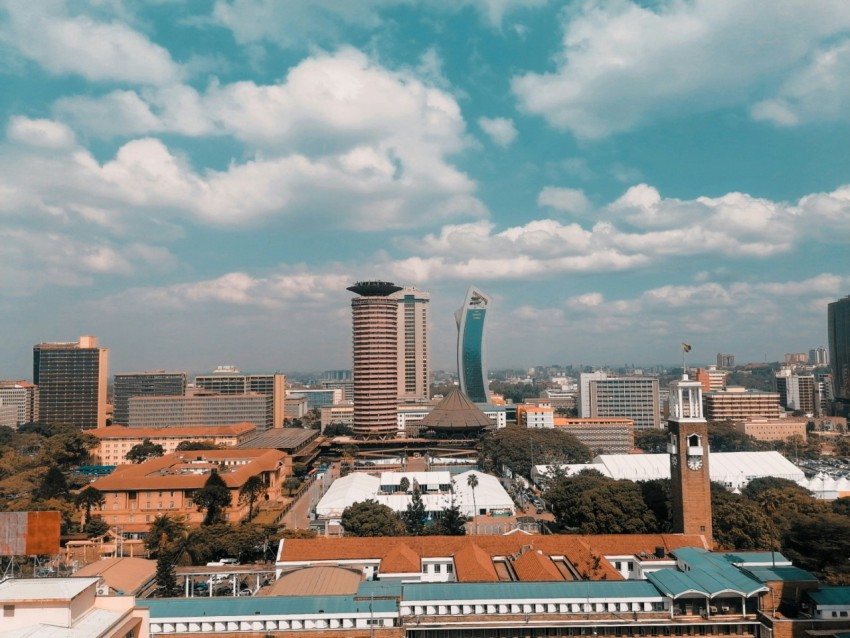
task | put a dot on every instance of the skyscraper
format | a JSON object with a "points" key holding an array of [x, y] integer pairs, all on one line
{"points": [[471, 346], [725, 361], [413, 361], [143, 384], [374, 316], [838, 320], [635, 398], [71, 379]]}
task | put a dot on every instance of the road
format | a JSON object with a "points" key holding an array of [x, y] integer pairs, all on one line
{"points": [[298, 517]]}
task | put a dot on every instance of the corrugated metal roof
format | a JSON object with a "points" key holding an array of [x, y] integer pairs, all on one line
{"points": [[263, 606], [768, 574], [30, 589], [831, 596], [536, 592], [709, 574]]}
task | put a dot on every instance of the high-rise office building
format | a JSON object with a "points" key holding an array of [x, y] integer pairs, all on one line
{"points": [[23, 396], [414, 371], [200, 409], [797, 391], [143, 384], [838, 320], [818, 356], [725, 361], [374, 316], [71, 379], [636, 398], [229, 380], [471, 346]]}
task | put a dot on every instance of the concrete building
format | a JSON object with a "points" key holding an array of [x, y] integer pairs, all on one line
{"points": [[472, 346], [838, 323], [414, 367], [23, 397], [711, 378], [317, 398], [797, 392], [136, 494], [157, 383], [342, 414], [736, 404], [773, 429], [603, 435], [115, 441], [72, 382], [819, 356], [635, 398], [228, 380], [201, 409], [374, 314], [725, 361], [535, 416]]}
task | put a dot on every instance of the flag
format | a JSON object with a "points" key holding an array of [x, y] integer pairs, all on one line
{"points": [[686, 347]]}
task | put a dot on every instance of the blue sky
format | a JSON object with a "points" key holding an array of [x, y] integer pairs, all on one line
{"points": [[196, 183]]}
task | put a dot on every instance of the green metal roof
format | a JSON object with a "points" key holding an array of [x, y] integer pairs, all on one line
{"points": [[263, 606], [746, 559], [831, 596], [378, 589], [708, 575], [766, 574], [536, 591]]}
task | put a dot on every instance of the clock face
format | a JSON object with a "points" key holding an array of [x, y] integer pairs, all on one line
{"points": [[695, 462]]}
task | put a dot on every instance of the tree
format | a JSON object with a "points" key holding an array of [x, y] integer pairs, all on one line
{"points": [[652, 440], [370, 518], [87, 499], [214, 497], [472, 482], [414, 516], [53, 484], [451, 522], [291, 484], [757, 486], [250, 492], [143, 451], [739, 523], [403, 484], [164, 530], [723, 437], [519, 448], [187, 446], [96, 526], [166, 574]]}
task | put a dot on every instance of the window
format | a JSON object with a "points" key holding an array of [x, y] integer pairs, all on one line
{"points": [[438, 569], [450, 568], [8, 611]]}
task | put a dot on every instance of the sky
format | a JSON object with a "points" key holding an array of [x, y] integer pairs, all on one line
{"points": [[197, 182]]}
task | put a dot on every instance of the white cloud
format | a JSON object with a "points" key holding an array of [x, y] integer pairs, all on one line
{"points": [[569, 200], [500, 130], [623, 64], [42, 133], [80, 45]]}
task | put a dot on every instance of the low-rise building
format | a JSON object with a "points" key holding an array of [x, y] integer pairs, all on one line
{"points": [[603, 435], [773, 429], [736, 404], [115, 441], [535, 416], [136, 494], [201, 409]]}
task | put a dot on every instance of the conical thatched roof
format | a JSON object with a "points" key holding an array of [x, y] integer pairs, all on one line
{"points": [[456, 412]]}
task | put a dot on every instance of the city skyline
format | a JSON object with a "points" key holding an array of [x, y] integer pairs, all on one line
{"points": [[201, 186]]}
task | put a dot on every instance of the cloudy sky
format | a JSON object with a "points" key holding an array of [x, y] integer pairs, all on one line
{"points": [[196, 183]]}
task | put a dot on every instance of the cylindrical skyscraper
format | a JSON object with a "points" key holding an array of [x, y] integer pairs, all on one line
{"points": [[374, 315]]}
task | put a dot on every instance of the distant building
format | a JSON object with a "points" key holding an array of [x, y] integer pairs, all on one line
{"points": [[635, 398], [136, 494], [414, 371], [797, 392], [535, 416], [341, 414], [72, 382], [317, 398], [603, 435], [725, 361], [737, 404], [711, 378], [22, 397], [115, 441], [229, 380], [472, 346], [796, 358], [347, 387], [838, 320], [157, 383], [201, 409], [819, 356], [773, 429]]}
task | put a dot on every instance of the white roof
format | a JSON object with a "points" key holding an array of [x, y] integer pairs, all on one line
{"points": [[355, 488], [422, 478], [96, 622], [734, 469], [30, 589]]}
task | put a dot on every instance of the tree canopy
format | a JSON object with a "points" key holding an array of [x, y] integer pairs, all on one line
{"points": [[214, 497], [187, 446], [415, 516], [370, 518], [517, 448], [143, 451], [250, 492]]}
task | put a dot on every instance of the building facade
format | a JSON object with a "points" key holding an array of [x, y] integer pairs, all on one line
{"points": [[773, 429], [725, 361], [472, 346], [115, 441], [635, 398], [838, 320], [736, 404], [414, 371], [797, 392], [201, 409], [374, 314], [608, 435], [228, 380], [711, 378], [157, 383], [23, 397], [72, 382]]}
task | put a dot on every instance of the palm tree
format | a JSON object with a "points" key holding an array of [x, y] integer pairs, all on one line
{"points": [[250, 491], [472, 482]]}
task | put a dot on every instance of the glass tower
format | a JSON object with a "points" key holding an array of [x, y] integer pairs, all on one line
{"points": [[471, 353], [838, 316]]}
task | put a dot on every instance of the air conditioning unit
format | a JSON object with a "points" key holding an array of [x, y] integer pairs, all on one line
{"points": [[103, 589]]}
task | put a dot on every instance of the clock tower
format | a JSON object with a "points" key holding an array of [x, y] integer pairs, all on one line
{"points": [[688, 449]]}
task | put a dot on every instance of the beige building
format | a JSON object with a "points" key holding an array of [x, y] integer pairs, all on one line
{"points": [[535, 416], [115, 441], [136, 494], [413, 349], [737, 404], [343, 414], [608, 434], [228, 380], [72, 381], [23, 397], [772, 429], [201, 409], [711, 378]]}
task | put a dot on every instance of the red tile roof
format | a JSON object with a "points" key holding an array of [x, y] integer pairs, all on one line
{"points": [[534, 565], [124, 432], [474, 565]]}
